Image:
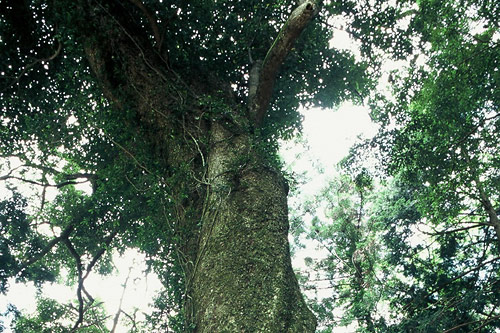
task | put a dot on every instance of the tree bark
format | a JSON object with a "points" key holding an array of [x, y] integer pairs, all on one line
{"points": [[243, 279], [264, 72]]}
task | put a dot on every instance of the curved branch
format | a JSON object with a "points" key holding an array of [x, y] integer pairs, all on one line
{"points": [[283, 44], [81, 277], [151, 19], [119, 311], [78, 261], [59, 185], [34, 63], [64, 235]]}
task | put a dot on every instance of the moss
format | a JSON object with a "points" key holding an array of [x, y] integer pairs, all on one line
{"points": [[244, 281]]}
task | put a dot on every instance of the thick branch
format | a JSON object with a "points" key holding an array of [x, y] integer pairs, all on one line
{"points": [[78, 261], [151, 19], [50, 245], [293, 27]]}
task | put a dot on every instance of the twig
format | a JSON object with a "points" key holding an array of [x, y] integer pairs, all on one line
{"points": [[143, 56], [443, 232], [117, 315], [143, 167], [132, 319], [472, 322], [33, 64], [454, 279], [489, 318]]}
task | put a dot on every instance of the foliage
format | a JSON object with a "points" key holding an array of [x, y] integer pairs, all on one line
{"points": [[438, 142], [54, 317], [444, 280], [350, 267], [68, 119], [62, 124]]}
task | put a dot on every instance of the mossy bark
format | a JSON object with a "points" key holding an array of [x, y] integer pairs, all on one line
{"points": [[243, 279]]}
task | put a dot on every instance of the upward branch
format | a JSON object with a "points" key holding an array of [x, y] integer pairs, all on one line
{"points": [[151, 19], [262, 80]]}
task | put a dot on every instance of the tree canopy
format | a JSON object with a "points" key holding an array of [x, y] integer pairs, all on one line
{"points": [[433, 218]]}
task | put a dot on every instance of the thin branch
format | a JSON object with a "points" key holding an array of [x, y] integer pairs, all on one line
{"points": [[331, 251], [132, 319], [34, 182], [117, 315], [64, 235], [143, 167], [141, 51], [472, 322], [489, 317], [455, 279], [78, 261], [81, 277], [99, 254], [49, 170], [443, 232], [481, 122], [11, 171], [33, 64]]}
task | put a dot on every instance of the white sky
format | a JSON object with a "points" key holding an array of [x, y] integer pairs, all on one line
{"points": [[328, 135]]}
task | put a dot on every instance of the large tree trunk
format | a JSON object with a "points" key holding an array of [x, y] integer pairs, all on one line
{"points": [[237, 265], [243, 279]]}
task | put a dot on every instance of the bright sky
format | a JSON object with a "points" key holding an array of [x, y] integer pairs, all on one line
{"points": [[328, 135]]}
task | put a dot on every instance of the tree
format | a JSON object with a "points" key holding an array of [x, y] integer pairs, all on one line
{"points": [[350, 266], [171, 111], [439, 140]]}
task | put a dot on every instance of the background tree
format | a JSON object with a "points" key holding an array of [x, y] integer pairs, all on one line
{"points": [[349, 270], [439, 139], [171, 111]]}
